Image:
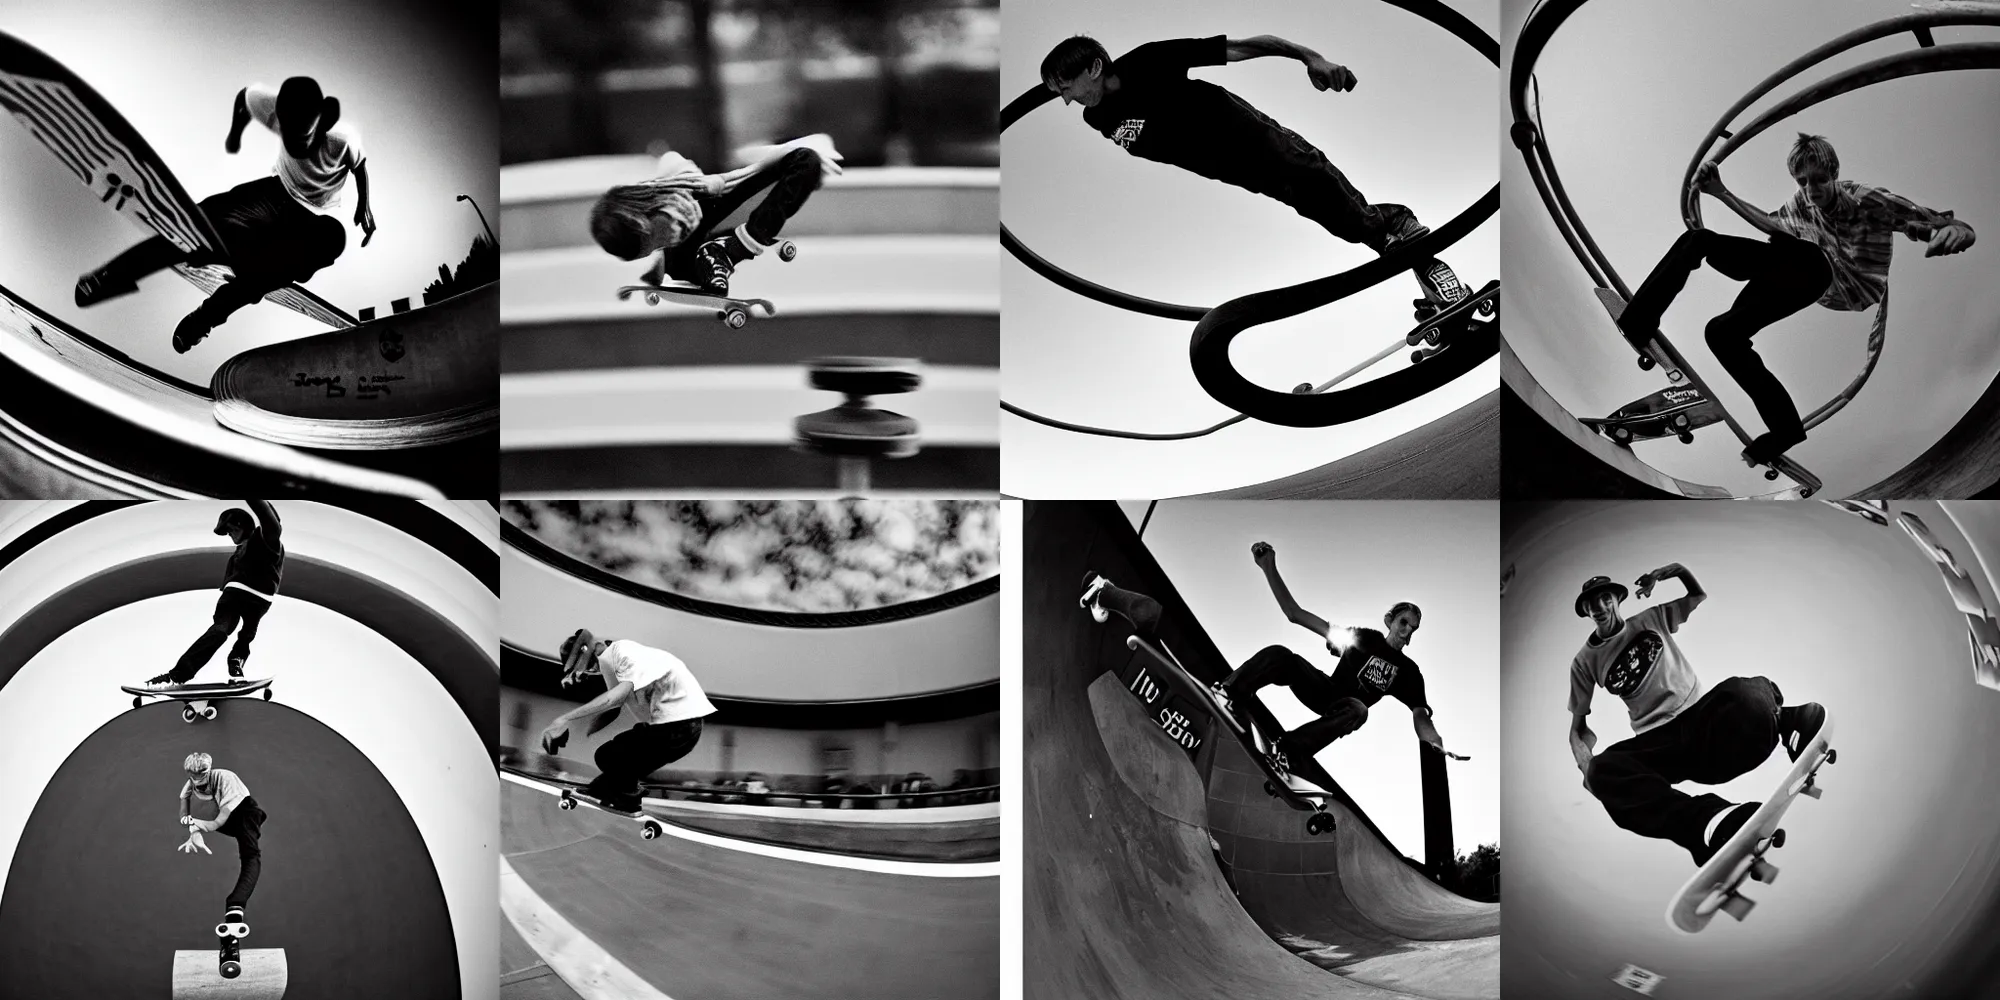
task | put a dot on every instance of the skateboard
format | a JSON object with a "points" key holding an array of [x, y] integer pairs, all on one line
{"points": [[1676, 411], [229, 935], [1717, 886], [565, 789], [1440, 322], [90, 138], [1102, 599], [198, 699], [1655, 350], [733, 312]]}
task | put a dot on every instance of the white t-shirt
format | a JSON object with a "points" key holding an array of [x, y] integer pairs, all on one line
{"points": [[1640, 663], [317, 181], [229, 791], [663, 688]]}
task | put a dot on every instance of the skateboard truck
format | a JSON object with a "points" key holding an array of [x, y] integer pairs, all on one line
{"points": [[856, 432]]}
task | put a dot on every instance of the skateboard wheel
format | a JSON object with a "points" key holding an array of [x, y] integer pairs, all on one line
{"points": [[1319, 823], [652, 298], [1485, 307], [1622, 435], [1270, 789], [1416, 356], [230, 970], [788, 251], [208, 713], [649, 831], [1645, 363], [1433, 336], [1831, 756], [1770, 473], [1737, 906], [1680, 420], [1763, 871], [135, 702], [1302, 388], [736, 319], [187, 715], [1778, 837], [1685, 437], [1132, 642], [267, 694], [566, 804]]}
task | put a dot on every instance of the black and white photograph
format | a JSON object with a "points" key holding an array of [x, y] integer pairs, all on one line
{"points": [[750, 749], [315, 178], [1744, 749], [750, 248], [1252, 249], [1217, 805], [252, 744], [1777, 217]]}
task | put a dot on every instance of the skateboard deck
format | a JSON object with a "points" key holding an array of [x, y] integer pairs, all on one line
{"points": [[1676, 411], [1717, 885], [108, 156], [199, 699], [1102, 598], [735, 313], [1656, 350], [568, 797]]}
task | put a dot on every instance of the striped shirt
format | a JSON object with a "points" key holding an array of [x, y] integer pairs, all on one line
{"points": [[1857, 232]]}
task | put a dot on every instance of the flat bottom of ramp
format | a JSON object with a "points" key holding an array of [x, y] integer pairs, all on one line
{"points": [[263, 978]]}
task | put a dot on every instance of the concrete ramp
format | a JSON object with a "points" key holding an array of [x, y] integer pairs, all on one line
{"points": [[263, 976], [1124, 894]]}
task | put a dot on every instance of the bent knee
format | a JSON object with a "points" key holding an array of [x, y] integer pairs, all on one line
{"points": [[1352, 710]]}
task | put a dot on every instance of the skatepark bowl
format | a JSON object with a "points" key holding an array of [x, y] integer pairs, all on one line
{"points": [[1890, 882], [1125, 896], [602, 394]]}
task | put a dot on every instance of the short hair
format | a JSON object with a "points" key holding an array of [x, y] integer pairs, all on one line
{"points": [[236, 516], [1812, 150], [622, 219], [1398, 608], [1071, 58]]}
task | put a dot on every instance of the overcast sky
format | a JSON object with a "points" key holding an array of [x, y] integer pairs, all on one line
{"points": [[1348, 562], [1623, 121], [1419, 130], [419, 88]]}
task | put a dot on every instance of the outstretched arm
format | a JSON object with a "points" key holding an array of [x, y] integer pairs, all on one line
{"points": [[1325, 75], [1426, 729], [267, 519], [1708, 180], [364, 210], [1267, 560], [238, 120], [1581, 742]]}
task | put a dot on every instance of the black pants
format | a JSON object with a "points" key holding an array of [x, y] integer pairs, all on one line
{"points": [[232, 608], [791, 180], [639, 751], [1294, 171], [246, 824], [1340, 713], [1725, 734], [273, 241], [1781, 276]]}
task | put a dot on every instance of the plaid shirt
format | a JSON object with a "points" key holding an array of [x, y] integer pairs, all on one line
{"points": [[1857, 232]]}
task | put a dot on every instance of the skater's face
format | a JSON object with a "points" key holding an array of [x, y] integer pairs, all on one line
{"points": [[1086, 89], [299, 138], [1402, 627], [1603, 609], [1816, 181], [202, 779], [237, 534]]}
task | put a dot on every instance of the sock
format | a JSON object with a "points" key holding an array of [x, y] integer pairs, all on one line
{"points": [[745, 246]]}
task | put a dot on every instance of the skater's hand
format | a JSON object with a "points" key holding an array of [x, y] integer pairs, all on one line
{"points": [[1330, 76], [1643, 586], [1955, 237], [193, 843], [553, 739], [364, 217], [233, 144], [1265, 555], [1708, 179]]}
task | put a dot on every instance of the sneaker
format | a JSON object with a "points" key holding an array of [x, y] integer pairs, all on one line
{"points": [[1798, 725], [163, 682], [1411, 230], [192, 329], [99, 286], [236, 668], [713, 267], [1732, 821]]}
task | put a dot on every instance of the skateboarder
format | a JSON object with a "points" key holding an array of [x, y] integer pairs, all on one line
{"points": [[1830, 243], [249, 583], [279, 229], [1680, 733], [676, 213], [1371, 664], [236, 815], [1145, 102], [663, 695]]}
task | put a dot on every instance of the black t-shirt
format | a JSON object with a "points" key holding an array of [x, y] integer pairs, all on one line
{"points": [[1372, 668], [1160, 114], [258, 563]]}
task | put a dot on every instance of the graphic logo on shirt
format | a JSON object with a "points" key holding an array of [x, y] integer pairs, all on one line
{"points": [[1378, 674], [1634, 664], [1128, 131]]}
